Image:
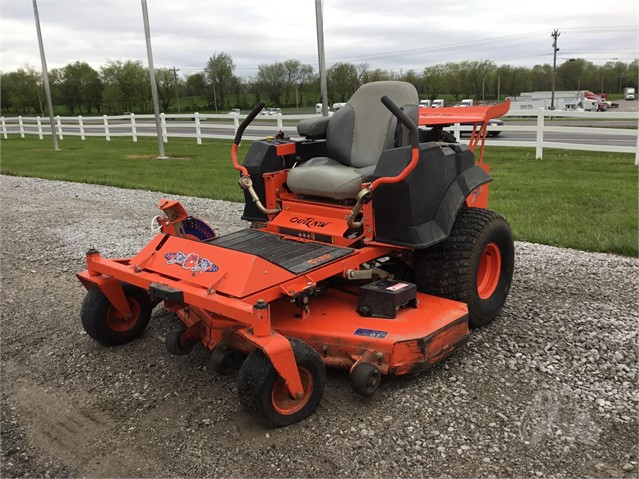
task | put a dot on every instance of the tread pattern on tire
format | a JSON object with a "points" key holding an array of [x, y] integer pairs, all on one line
{"points": [[257, 375], [445, 268]]}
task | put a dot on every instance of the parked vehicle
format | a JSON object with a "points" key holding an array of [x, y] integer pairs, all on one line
{"points": [[439, 103], [337, 106], [629, 93], [467, 102], [318, 108], [424, 103], [234, 111]]}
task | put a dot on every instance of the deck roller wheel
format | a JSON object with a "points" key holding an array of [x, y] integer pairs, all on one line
{"points": [[175, 343], [224, 359], [365, 379], [263, 393], [103, 323]]}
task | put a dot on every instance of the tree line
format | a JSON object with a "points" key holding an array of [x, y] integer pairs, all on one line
{"points": [[122, 86]]}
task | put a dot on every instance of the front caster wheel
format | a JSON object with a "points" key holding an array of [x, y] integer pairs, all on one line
{"points": [[176, 344], [103, 323], [224, 359], [365, 379], [264, 394]]}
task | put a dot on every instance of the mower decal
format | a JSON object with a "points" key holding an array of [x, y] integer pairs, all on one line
{"points": [[475, 193], [191, 261], [371, 333], [309, 222]]}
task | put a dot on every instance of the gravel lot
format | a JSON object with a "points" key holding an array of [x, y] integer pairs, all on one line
{"points": [[549, 389]]}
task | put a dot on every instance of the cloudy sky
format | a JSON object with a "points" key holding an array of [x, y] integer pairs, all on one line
{"points": [[394, 35]]}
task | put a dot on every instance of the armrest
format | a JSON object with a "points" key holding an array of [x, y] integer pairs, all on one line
{"points": [[313, 128]]}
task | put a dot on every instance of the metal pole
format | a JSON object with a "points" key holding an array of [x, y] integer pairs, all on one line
{"points": [[498, 87], [177, 95], [45, 77], [555, 34], [154, 87], [320, 53]]}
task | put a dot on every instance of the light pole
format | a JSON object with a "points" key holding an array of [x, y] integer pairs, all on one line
{"points": [[555, 34], [177, 95], [154, 87], [320, 53], [45, 78]]}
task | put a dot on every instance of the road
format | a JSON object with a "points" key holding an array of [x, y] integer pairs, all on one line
{"points": [[187, 129]]}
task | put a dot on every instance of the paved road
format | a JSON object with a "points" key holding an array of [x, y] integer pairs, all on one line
{"points": [[188, 129]]}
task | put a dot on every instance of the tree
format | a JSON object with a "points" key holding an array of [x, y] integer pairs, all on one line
{"points": [[195, 87], [343, 79], [412, 77], [273, 80], [126, 86], [434, 81], [376, 75], [220, 79], [76, 85], [23, 90], [165, 80]]}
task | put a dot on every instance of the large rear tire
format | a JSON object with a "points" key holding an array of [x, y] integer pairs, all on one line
{"points": [[474, 265]]}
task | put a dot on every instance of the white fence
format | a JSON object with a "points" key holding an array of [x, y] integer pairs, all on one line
{"points": [[224, 126]]}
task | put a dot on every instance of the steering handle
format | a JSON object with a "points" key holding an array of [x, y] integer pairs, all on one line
{"points": [[401, 116], [247, 121]]}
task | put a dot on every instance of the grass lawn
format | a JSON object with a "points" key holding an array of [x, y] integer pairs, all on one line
{"points": [[574, 199]]}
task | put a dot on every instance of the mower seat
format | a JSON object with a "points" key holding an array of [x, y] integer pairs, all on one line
{"points": [[356, 136]]}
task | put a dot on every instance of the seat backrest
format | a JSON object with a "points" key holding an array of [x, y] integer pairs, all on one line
{"points": [[359, 131]]}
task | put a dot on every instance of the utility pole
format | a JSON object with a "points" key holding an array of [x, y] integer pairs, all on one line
{"points": [[177, 95], [320, 53], [45, 78], [555, 34], [154, 87]]}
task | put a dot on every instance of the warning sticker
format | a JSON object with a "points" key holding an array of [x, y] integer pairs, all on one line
{"points": [[397, 286], [371, 333]]}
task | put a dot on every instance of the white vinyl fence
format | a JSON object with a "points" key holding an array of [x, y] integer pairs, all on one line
{"points": [[224, 126]]}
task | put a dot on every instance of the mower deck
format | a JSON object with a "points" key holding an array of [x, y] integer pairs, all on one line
{"points": [[413, 341]]}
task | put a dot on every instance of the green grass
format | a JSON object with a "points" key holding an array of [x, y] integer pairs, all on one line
{"points": [[192, 170], [574, 199]]}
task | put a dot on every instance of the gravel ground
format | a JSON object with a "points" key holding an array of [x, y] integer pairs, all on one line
{"points": [[549, 389]]}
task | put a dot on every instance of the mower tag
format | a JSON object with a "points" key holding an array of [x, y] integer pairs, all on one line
{"points": [[371, 333], [191, 261]]}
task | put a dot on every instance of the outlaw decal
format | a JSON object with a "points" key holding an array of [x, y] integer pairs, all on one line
{"points": [[191, 261], [309, 222]]}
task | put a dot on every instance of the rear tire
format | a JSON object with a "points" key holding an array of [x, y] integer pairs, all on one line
{"points": [[263, 392], [474, 265], [103, 323]]}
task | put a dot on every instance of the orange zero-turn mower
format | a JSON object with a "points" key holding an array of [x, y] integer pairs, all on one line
{"points": [[368, 251]]}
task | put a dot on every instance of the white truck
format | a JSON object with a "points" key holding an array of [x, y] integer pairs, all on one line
{"points": [[467, 102], [629, 93], [439, 103]]}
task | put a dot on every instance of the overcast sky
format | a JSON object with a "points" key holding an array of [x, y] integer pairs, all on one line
{"points": [[393, 35]]}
